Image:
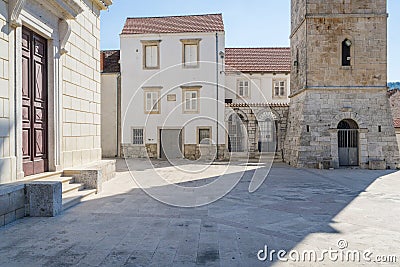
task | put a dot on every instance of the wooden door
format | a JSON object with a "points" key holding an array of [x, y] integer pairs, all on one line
{"points": [[34, 103]]}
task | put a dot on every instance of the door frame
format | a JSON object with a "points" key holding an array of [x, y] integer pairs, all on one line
{"points": [[159, 128], [32, 161], [54, 93]]}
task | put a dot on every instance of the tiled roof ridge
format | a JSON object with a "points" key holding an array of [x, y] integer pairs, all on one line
{"points": [[174, 16]]}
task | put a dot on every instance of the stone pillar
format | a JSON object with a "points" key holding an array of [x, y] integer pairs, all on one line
{"points": [[44, 199]]}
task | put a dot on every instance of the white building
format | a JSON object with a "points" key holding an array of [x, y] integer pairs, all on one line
{"points": [[169, 86], [257, 98]]}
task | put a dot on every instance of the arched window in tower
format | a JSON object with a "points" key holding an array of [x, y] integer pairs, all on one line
{"points": [[346, 52]]}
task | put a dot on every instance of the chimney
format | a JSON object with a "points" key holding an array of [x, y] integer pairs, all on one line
{"points": [[102, 59]]}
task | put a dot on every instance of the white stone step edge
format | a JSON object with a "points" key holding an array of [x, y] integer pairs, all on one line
{"points": [[75, 197]]}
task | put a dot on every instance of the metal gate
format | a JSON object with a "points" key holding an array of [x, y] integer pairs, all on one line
{"points": [[267, 136], [235, 134], [348, 147]]}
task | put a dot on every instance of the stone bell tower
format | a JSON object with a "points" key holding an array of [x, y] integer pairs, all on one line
{"points": [[339, 113]]}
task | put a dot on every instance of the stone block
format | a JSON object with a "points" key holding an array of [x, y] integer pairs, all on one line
{"points": [[9, 217], [44, 199], [377, 165], [2, 222], [20, 213]]}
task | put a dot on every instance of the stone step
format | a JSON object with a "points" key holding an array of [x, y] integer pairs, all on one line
{"points": [[62, 179], [45, 175], [73, 198], [72, 187]]}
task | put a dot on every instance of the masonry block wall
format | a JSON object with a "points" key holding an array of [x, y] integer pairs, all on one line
{"points": [[394, 99], [324, 92], [81, 90], [5, 97]]}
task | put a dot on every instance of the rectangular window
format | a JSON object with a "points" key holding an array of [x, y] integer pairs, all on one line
{"points": [[190, 52], [243, 89], [137, 136], [279, 88], [152, 101], [204, 136], [190, 99], [151, 54]]}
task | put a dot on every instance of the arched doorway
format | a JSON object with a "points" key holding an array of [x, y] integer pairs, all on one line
{"points": [[348, 143], [267, 137], [237, 133]]}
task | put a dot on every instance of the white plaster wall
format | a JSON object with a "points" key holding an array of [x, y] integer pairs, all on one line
{"points": [[261, 87], [170, 76], [109, 121]]}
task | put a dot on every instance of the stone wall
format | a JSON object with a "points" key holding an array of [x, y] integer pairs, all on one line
{"points": [[394, 100], [314, 117], [250, 113], [205, 152], [324, 92], [81, 90], [6, 171], [139, 151]]}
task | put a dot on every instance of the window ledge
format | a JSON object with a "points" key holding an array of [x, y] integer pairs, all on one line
{"points": [[346, 67]]}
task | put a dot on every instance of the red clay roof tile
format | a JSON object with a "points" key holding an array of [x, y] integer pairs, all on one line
{"points": [[174, 24], [258, 59]]}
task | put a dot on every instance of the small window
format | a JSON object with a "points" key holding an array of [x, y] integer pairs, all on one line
{"points": [[346, 52], [191, 101], [137, 136], [151, 54], [152, 101], [190, 57], [243, 88], [204, 136], [279, 88]]}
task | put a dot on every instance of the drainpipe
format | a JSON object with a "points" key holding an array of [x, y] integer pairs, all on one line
{"points": [[217, 70]]}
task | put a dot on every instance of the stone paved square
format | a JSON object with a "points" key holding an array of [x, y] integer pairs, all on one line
{"points": [[295, 209]]}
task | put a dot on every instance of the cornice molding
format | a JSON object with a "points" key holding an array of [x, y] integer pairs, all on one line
{"points": [[65, 9], [14, 8], [68, 8], [103, 4]]}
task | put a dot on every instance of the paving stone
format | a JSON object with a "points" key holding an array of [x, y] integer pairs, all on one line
{"points": [[294, 208]]}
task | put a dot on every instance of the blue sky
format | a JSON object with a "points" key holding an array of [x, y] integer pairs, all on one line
{"points": [[251, 23]]}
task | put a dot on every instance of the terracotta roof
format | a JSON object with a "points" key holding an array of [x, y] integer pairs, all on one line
{"points": [[174, 24], [396, 123], [258, 59], [111, 61]]}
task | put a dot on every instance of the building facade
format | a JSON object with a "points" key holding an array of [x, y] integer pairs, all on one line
{"points": [[339, 112], [110, 103], [170, 84], [257, 88], [49, 85]]}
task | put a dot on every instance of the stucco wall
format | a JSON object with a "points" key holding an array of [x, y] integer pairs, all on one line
{"points": [[109, 117], [261, 88], [170, 77]]}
